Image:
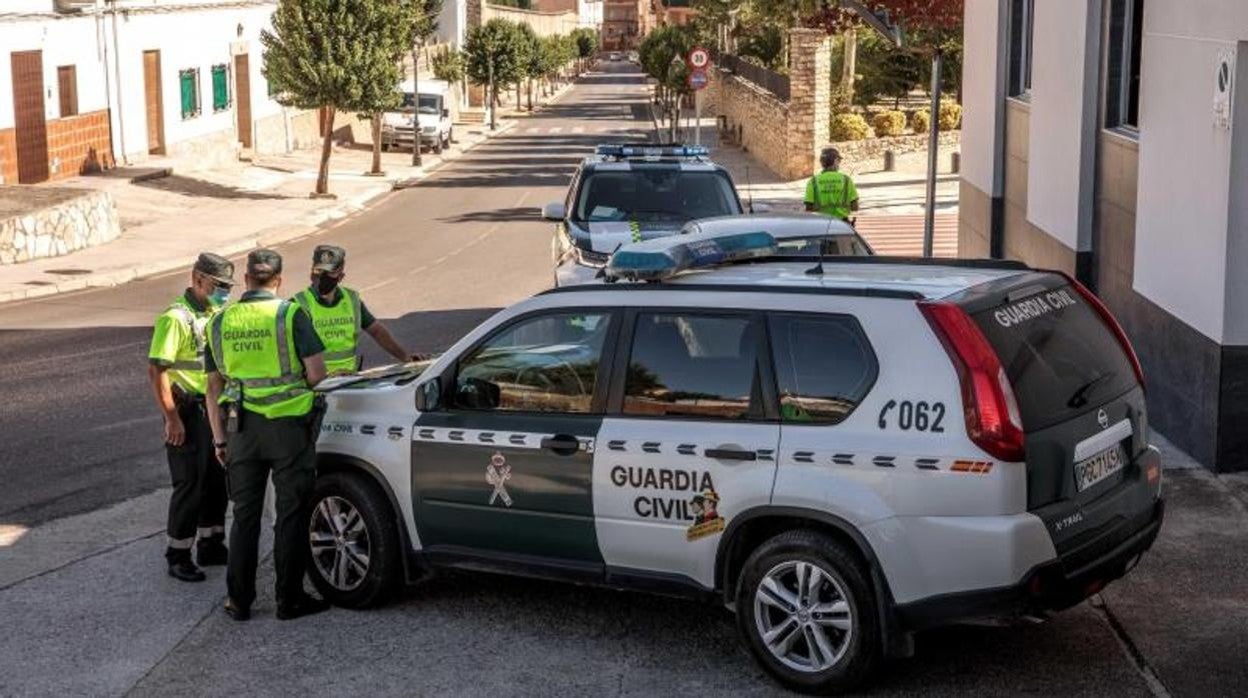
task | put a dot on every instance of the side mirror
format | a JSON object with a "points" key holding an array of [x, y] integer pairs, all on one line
{"points": [[554, 211], [760, 208], [446, 113], [429, 396]]}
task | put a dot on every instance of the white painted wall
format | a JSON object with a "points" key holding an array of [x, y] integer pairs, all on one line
{"points": [[1185, 179], [63, 42], [589, 13], [453, 23], [1059, 152], [1235, 314], [192, 39], [982, 94]]}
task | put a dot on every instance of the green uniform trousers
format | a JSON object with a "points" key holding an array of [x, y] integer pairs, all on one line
{"points": [[284, 448], [198, 502]]}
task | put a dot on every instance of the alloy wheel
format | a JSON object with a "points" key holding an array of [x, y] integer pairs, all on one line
{"points": [[340, 543], [803, 616]]}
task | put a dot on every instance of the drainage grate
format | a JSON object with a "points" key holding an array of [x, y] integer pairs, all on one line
{"points": [[68, 272]]}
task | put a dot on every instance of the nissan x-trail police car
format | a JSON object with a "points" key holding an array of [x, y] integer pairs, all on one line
{"points": [[626, 193], [843, 453]]}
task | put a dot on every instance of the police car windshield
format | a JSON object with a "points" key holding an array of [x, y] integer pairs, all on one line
{"points": [[428, 103], [654, 193]]}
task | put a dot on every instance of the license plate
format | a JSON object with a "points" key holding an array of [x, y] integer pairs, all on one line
{"points": [[1092, 470]]}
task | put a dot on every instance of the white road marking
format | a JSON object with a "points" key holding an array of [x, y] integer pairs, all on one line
{"points": [[554, 129], [78, 355], [578, 129]]}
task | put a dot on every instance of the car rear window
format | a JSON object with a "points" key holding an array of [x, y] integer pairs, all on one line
{"points": [[654, 193], [1060, 357]]}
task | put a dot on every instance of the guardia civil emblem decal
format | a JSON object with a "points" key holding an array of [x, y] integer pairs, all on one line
{"points": [[706, 518], [497, 473]]}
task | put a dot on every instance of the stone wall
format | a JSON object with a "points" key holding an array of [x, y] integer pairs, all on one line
{"points": [[786, 136], [542, 23], [48, 222], [872, 149]]}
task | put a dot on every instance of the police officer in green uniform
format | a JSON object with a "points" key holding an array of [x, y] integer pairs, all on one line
{"points": [[339, 315], [264, 357], [176, 372], [831, 192]]}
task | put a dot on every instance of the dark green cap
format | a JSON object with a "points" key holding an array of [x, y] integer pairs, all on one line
{"points": [[264, 263], [215, 267], [328, 258]]}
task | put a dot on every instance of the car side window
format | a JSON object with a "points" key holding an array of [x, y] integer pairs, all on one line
{"points": [[824, 366], [692, 365], [547, 363]]}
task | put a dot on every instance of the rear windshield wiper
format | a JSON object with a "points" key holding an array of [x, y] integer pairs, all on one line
{"points": [[1080, 396]]}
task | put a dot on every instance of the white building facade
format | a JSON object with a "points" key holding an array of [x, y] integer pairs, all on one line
{"points": [[121, 81], [1107, 138]]}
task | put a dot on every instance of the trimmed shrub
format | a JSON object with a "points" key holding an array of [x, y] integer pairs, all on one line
{"points": [[920, 121], [889, 123], [849, 127], [950, 116]]}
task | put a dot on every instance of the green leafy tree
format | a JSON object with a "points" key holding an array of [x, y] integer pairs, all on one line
{"points": [[332, 55], [662, 53], [530, 58], [492, 58], [586, 40], [448, 65]]}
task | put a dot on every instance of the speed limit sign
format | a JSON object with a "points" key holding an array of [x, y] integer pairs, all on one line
{"points": [[699, 58]]}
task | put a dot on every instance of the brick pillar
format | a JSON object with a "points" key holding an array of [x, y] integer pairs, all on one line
{"points": [[810, 99], [473, 12]]}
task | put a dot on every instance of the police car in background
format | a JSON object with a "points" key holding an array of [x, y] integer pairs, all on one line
{"points": [[627, 193], [843, 452]]}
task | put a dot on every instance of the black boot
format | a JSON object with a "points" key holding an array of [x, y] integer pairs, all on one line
{"points": [[181, 567], [300, 606], [211, 551]]}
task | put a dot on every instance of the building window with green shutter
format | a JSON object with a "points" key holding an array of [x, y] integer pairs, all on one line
{"points": [[188, 80], [220, 88]]}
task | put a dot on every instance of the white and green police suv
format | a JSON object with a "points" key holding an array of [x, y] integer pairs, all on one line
{"points": [[842, 453]]}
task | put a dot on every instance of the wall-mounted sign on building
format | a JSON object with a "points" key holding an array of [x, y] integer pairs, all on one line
{"points": [[1223, 88]]}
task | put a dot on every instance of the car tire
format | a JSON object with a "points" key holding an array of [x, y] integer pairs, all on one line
{"points": [[437, 145], [349, 516], [823, 651]]}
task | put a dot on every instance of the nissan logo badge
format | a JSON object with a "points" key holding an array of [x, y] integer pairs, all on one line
{"points": [[1102, 419]]}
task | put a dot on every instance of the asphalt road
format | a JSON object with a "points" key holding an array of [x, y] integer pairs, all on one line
{"points": [[80, 427]]}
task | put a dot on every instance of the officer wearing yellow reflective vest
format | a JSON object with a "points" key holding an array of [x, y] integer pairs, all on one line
{"points": [[176, 372], [264, 358], [831, 192], [339, 315]]}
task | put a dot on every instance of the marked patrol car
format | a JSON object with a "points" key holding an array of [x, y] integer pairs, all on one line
{"points": [[843, 452], [626, 193]]}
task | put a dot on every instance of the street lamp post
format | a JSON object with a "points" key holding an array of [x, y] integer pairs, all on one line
{"points": [[933, 143], [416, 161]]}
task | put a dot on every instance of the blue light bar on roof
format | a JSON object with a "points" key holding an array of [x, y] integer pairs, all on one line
{"points": [[665, 257], [650, 151]]}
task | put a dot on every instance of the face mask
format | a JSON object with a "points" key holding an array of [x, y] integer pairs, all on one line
{"points": [[219, 296], [325, 284]]}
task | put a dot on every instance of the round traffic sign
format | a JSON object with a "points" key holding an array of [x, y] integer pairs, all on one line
{"points": [[699, 58], [698, 79]]}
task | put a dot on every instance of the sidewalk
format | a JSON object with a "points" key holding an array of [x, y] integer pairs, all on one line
{"points": [[892, 203], [167, 221]]}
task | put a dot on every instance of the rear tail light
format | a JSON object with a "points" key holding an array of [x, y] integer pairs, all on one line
{"points": [[992, 416], [1111, 322]]}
